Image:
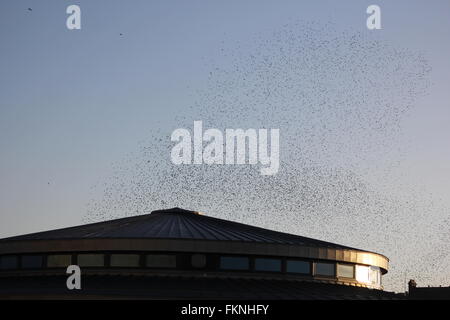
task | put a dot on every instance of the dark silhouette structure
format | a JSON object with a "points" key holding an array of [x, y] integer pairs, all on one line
{"points": [[180, 254], [427, 293]]}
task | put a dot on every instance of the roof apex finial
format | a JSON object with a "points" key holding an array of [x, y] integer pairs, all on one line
{"points": [[175, 210]]}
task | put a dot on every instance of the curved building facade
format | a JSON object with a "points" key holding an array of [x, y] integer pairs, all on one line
{"points": [[177, 253]]}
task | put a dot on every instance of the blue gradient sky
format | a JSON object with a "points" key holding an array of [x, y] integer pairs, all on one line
{"points": [[72, 103]]}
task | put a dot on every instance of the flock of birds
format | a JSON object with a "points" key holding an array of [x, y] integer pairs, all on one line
{"points": [[338, 98]]}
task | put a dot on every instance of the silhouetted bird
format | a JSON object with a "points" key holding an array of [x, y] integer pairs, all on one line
{"points": [[29, 9]]}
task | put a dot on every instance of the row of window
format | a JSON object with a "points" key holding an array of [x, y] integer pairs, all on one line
{"points": [[364, 274], [86, 260]]}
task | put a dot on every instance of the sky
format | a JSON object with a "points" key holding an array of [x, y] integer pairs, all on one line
{"points": [[76, 103]]}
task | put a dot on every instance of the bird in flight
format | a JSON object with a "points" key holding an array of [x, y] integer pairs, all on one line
{"points": [[29, 9]]}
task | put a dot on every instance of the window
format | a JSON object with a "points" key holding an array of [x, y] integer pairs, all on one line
{"points": [[161, 261], [362, 274], [375, 276], [234, 263], [32, 262], [345, 270], [8, 262], [125, 260], [91, 260], [267, 265], [198, 260], [295, 266], [369, 275], [59, 260], [325, 269]]}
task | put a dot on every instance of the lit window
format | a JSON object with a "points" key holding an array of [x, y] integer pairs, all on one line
{"points": [[59, 260], [125, 260], [345, 270], [234, 263], [32, 262], [8, 262], [362, 274], [273, 265], [296, 266], [161, 261], [198, 260], [325, 269], [91, 260]]}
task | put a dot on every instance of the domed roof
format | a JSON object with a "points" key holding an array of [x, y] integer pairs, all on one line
{"points": [[176, 223], [185, 231]]}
